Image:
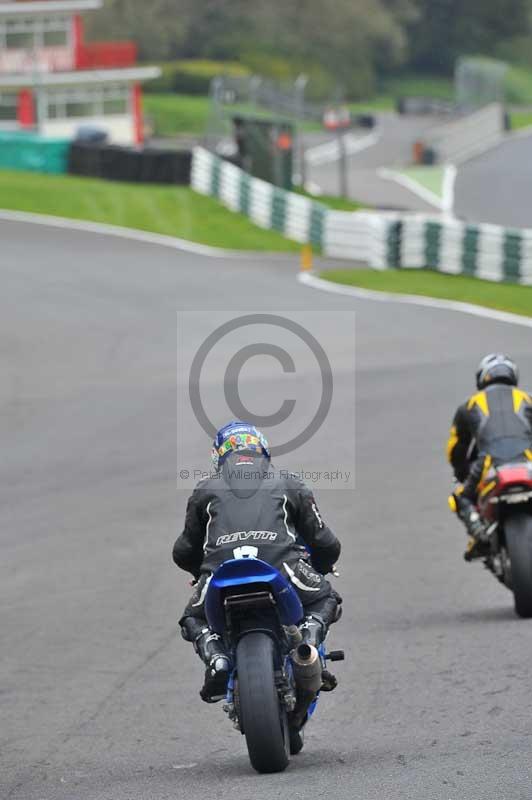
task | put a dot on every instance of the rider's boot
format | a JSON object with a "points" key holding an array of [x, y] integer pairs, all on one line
{"points": [[211, 650], [477, 547], [314, 630]]}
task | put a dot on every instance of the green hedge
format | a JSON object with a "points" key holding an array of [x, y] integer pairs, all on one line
{"points": [[192, 77]]}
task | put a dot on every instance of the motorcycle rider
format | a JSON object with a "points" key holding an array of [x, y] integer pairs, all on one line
{"points": [[246, 508], [493, 427]]}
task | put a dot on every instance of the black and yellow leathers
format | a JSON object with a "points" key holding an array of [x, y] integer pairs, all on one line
{"points": [[494, 426]]}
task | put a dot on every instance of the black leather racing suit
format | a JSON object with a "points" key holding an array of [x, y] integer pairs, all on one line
{"points": [[276, 516], [493, 426]]}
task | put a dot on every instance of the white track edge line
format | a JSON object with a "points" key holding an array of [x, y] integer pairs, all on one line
{"points": [[314, 282], [131, 234], [449, 189], [412, 186], [305, 278], [329, 151]]}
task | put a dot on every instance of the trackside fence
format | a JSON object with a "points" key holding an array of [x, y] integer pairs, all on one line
{"points": [[380, 240], [31, 152], [490, 252], [371, 238], [468, 136]]}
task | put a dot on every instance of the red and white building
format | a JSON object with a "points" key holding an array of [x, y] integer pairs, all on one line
{"points": [[54, 82]]}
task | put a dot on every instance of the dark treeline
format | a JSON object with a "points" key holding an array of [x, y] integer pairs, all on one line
{"points": [[351, 42]]}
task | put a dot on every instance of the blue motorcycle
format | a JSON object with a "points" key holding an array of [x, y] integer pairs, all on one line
{"points": [[276, 679]]}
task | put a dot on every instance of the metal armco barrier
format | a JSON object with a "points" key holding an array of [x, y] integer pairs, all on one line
{"points": [[468, 136], [425, 105], [382, 241]]}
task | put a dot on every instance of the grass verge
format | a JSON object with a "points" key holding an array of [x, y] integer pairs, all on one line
{"points": [[171, 210], [335, 203], [174, 114], [500, 296], [381, 102], [405, 86], [431, 178], [518, 85], [521, 119], [412, 85], [338, 203]]}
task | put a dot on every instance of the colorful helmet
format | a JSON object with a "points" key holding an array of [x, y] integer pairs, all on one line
{"points": [[237, 436], [497, 368]]}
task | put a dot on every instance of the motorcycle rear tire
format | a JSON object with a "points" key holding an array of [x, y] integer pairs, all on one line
{"points": [[262, 717], [518, 529]]}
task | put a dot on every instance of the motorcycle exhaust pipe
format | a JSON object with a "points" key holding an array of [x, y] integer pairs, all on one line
{"points": [[307, 668], [307, 674]]}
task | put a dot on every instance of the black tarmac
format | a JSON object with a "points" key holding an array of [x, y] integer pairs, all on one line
{"points": [[99, 695]]}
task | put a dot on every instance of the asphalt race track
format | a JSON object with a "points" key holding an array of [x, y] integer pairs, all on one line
{"points": [[98, 693], [497, 186], [393, 150]]}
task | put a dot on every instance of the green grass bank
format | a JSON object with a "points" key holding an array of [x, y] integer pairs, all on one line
{"points": [[170, 210], [500, 296]]}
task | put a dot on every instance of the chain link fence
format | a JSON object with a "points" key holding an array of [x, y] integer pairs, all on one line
{"points": [[479, 82], [232, 97]]}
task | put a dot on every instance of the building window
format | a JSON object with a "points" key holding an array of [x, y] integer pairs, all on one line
{"points": [[93, 101], [115, 100], [55, 31], [111, 107], [8, 107], [20, 41], [80, 108], [31, 34], [19, 34], [54, 111], [55, 38]]}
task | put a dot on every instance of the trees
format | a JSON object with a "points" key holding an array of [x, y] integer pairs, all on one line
{"points": [[447, 29], [157, 26], [346, 40], [350, 41]]}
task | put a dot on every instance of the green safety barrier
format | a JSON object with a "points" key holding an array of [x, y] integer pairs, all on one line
{"points": [[32, 153], [305, 223], [489, 252]]}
